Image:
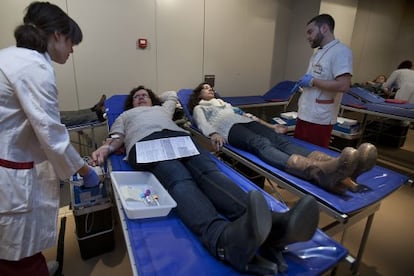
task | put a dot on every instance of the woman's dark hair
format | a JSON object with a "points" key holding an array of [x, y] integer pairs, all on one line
{"points": [[128, 101], [406, 64], [43, 19], [195, 97]]}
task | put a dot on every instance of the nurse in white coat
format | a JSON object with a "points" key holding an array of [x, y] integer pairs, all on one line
{"points": [[36, 149]]}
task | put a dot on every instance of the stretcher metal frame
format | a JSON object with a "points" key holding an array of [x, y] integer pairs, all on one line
{"points": [[367, 113], [342, 220], [362, 101]]}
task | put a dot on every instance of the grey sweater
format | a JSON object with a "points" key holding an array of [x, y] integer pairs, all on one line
{"points": [[139, 122]]}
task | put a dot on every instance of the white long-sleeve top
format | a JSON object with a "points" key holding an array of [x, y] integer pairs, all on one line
{"points": [[217, 116], [31, 132]]}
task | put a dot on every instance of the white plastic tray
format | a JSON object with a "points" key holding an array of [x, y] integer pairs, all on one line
{"points": [[131, 185]]}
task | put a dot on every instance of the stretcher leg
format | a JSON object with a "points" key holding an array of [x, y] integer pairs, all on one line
{"points": [[356, 264]]}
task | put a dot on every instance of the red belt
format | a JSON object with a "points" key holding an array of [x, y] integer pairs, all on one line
{"points": [[324, 101], [16, 165]]}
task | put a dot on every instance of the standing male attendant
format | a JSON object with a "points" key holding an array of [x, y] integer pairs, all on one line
{"points": [[328, 76]]}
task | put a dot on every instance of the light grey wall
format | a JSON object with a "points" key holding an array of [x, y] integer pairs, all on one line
{"points": [[377, 41], [179, 38], [11, 15], [238, 44], [249, 45], [291, 29], [108, 61]]}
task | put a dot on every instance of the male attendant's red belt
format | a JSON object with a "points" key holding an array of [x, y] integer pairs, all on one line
{"points": [[16, 165], [319, 101]]}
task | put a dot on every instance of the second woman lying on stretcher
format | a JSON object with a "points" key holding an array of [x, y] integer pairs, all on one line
{"points": [[223, 123]]}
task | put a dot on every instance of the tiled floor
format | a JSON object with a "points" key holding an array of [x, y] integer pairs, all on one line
{"points": [[389, 250]]}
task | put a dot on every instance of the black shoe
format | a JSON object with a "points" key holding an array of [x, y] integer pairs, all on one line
{"points": [[100, 105], [101, 115], [261, 266], [99, 109], [297, 224], [275, 256], [241, 239]]}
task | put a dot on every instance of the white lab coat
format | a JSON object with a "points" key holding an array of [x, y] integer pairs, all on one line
{"points": [[31, 131]]}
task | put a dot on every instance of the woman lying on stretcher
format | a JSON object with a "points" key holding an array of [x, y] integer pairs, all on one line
{"points": [[223, 123], [232, 224]]}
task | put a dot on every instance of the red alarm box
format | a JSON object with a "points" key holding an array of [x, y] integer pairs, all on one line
{"points": [[142, 43]]}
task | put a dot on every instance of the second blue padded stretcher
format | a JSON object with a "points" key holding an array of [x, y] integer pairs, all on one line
{"points": [[280, 94], [380, 181], [363, 99]]}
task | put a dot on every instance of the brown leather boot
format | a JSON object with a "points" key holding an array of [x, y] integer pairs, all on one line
{"points": [[347, 182], [367, 158], [327, 174]]}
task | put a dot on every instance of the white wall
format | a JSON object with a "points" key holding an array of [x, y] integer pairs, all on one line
{"points": [[383, 37], [11, 15], [238, 45], [297, 50], [373, 38], [344, 12], [248, 44], [179, 38], [108, 61]]}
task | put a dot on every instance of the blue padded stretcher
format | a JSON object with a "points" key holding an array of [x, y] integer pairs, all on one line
{"points": [[345, 209], [381, 181], [165, 246], [361, 100], [280, 94]]}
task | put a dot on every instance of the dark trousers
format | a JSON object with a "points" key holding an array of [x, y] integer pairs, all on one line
{"points": [[206, 198], [271, 147], [33, 265]]}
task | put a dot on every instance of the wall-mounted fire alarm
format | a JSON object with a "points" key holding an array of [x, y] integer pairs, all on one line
{"points": [[142, 43]]}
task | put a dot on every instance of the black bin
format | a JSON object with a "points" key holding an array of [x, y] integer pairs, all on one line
{"points": [[94, 230]]}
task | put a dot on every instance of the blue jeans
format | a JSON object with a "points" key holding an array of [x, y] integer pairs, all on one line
{"points": [[206, 199], [271, 147]]}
